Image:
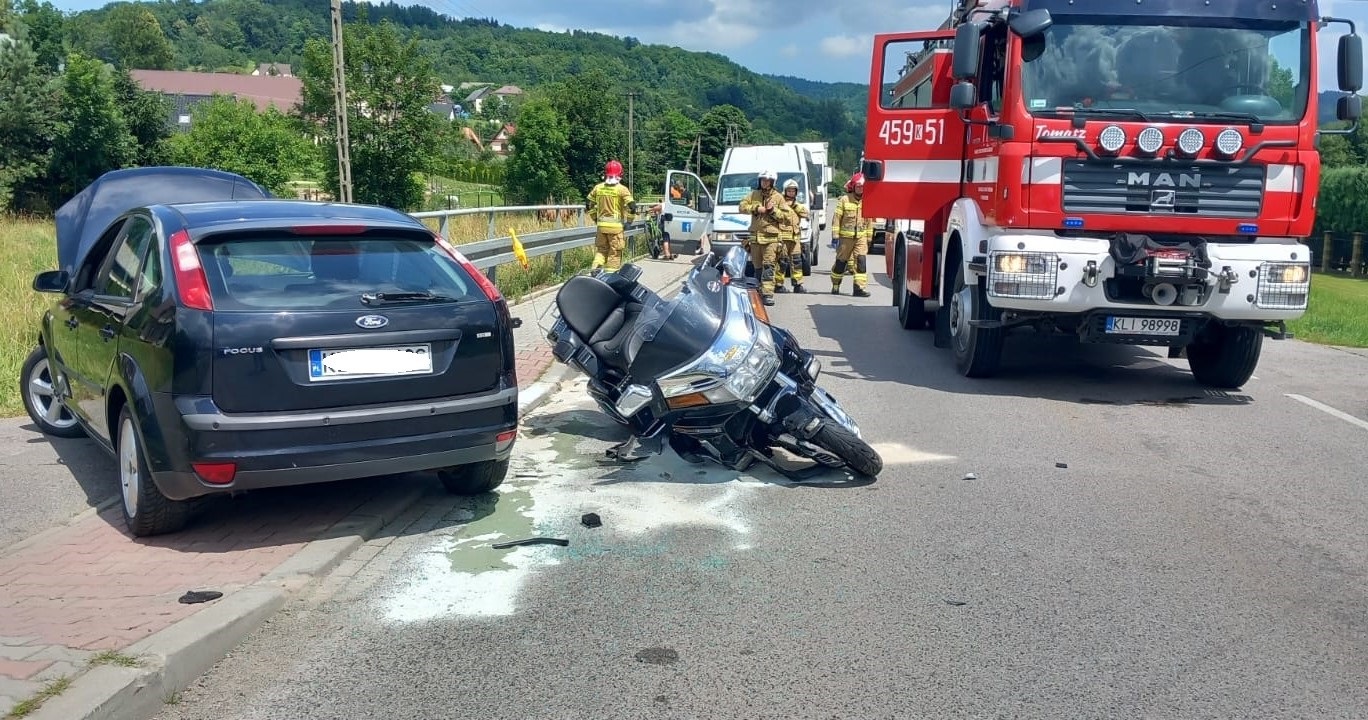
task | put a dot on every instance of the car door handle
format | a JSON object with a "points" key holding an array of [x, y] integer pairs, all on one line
{"points": [[72, 322], [107, 332]]}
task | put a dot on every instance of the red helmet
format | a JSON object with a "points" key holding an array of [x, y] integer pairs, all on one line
{"points": [[856, 179], [613, 169]]}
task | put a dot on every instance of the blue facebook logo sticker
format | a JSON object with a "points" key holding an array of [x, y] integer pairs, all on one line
{"points": [[687, 225]]}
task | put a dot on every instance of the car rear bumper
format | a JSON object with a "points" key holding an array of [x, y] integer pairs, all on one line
{"points": [[281, 449]]}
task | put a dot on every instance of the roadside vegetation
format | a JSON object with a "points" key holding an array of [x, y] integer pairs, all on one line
{"points": [[1337, 314]]}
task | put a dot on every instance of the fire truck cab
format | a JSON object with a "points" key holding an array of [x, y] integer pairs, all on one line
{"points": [[1140, 174]]}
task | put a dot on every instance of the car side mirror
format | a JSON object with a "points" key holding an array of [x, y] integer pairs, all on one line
{"points": [[817, 202], [51, 281], [667, 217], [1031, 24], [705, 205], [963, 96]]}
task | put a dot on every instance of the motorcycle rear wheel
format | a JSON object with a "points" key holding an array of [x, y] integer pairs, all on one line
{"points": [[845, 445]]}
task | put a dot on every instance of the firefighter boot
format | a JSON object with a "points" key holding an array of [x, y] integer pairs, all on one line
{"points": [[860, 278]]}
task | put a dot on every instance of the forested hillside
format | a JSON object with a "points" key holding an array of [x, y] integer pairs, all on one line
{"points": [[238, 34]]}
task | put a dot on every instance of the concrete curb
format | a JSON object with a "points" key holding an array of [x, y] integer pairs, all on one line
{"points": [[177, 656]]}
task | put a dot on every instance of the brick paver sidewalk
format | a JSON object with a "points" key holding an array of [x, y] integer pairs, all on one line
{"points": [[89, 588]]}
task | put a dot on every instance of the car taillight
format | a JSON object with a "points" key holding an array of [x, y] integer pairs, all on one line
{"points": [[491, 290], [191, 284]]}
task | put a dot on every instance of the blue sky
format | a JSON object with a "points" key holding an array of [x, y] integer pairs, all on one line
{"points": [[815, 39]]}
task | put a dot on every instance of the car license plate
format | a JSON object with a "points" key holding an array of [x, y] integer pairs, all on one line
{"points": [[356, 363], [1143, 326]]}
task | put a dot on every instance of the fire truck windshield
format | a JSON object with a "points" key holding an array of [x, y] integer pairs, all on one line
{"points": [[1199, 72]]}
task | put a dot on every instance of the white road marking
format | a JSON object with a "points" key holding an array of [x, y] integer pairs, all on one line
{"points": [[1330, 411]]}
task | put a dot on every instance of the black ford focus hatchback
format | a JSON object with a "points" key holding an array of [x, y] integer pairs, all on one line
{"points": [[215, 339]]}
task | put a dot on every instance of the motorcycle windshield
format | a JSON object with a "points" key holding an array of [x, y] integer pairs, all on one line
{"points": [[672, 333]]}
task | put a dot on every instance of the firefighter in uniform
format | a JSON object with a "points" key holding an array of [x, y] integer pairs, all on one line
{"points": [[853, 231], [770, 214], [791, 255], [609, 203]]}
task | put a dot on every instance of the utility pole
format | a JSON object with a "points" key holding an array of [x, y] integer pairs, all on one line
{"points": [[631, 139], [344, 178]]}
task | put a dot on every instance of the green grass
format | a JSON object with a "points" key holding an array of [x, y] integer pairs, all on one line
{"points": [[28, 706], [27, 248], [1337, 313]]}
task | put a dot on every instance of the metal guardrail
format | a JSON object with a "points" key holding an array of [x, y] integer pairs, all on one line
{"points": [[497, 250]]}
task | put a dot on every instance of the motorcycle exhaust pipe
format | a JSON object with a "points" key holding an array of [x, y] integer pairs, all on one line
{"points": [[1164, 294]]}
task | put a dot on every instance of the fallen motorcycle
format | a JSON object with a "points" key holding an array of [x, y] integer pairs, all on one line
{"points": [[705, 371]]}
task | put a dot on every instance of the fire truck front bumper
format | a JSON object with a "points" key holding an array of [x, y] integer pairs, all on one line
{"points": [[1267, 281]]}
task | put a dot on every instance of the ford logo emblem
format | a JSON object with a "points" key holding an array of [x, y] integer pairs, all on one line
{"points": [[372, 322]]}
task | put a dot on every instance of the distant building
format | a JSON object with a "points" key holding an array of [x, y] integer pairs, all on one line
{"points": [[475, 100], [188, 89], [274, 69], [499, 144]]}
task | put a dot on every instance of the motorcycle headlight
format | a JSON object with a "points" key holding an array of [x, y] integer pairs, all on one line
{"points": [[736, 368]]}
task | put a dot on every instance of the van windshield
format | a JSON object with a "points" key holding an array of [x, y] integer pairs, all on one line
{"points": [[734, 187]]}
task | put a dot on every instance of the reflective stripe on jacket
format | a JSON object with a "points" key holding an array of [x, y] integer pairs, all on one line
{"points": [[609, 205], [850, 221]]}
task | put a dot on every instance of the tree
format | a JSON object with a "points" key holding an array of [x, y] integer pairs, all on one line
{"points": [[596, 119], [147, 115], [389, 86], [28, 123], [714, 128], [46, 34], [92, 136], [136, 38], [536, 169], [229, 134]]}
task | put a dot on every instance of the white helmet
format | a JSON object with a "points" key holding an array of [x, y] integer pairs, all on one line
{"points": [[790, 183], [768, 175]]}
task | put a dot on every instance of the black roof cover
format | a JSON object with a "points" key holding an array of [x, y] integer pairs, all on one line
{"points": [[83, 218]]}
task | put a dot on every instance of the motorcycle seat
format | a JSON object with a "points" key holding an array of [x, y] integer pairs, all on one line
{"points": [[600, 316]]}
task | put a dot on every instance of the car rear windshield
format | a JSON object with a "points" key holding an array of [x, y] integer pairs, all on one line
{"points": [[286, 272]]}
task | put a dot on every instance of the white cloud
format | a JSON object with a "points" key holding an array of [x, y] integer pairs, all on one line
{"points": [[842, 46], [790, 50]]}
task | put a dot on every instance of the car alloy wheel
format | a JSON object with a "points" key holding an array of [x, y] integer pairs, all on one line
{"points": [[130, 476], [42, 393]]}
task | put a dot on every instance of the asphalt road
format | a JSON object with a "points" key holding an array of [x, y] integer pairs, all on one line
{"points": [[45, 481], [1202, 555]]}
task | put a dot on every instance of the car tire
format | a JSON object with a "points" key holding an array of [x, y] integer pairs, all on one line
{"points": [[978, 350], [1225, 357], [475, 478], [146, 510], [36, 388]]}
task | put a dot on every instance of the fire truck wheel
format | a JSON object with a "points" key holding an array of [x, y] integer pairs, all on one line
{"points": [[978, 350], [1225, 357], [912, 313]]}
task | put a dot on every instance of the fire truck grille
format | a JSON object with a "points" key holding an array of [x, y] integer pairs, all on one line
{"points": [[1163, 189]]}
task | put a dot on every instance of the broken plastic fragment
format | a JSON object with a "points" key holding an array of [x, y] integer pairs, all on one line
{"points": [[192, 597], [1064, 466], [971, 476], [956, 603], [532, 541], [591, 520]]}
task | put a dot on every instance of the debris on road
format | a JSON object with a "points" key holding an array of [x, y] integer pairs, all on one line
{"points": [[956, 603], [193, 597], [591, 520], [532, 541], [1062, 466], [658, 656], [970, 476]]}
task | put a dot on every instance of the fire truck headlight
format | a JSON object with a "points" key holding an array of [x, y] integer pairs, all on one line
{"points": [[1190, 141], [1023, 275], [1150, 140], [1283, 286], [1229, 142], [1112, 139]]}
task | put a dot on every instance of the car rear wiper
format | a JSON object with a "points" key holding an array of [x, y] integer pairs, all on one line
{"points": [[380, 298]]}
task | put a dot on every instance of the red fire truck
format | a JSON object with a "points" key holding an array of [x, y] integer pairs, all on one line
{"points": [[1139, 174]]}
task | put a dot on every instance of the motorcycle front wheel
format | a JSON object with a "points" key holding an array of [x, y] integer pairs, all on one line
{"points": [[847, 446]]}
